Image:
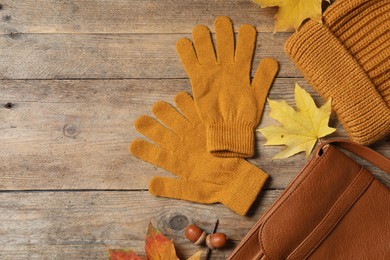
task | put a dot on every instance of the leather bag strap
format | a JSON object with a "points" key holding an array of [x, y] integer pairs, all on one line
{"points": [[364, 152]]}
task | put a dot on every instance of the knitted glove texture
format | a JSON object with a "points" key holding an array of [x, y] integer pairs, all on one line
{"points": [[228, 103], [180, 147]]}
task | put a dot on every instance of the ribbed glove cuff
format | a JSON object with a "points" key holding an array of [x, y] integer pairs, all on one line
{"points": [[243, 191], [230, 139]]}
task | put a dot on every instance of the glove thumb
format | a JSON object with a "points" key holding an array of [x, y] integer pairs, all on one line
{"points": [[194, 191]]}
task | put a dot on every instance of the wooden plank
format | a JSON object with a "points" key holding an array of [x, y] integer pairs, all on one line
{"points": [[127, 16], [74, 134], [64, 56], [78, 225]]}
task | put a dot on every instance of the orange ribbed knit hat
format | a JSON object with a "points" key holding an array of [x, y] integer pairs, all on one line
{"points": [[348, 59]]}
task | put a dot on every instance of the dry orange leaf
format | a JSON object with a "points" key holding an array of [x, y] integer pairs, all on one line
{"points": [[292, 13], [157, 246]]}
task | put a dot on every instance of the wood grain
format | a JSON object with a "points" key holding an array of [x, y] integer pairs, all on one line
{"points": [[127, 16], [78, 225], [102, 56], [74, 75], [74, 134], [60, 131]]}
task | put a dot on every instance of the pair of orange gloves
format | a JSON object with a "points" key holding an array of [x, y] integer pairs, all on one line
{"points": [[205, 140]]}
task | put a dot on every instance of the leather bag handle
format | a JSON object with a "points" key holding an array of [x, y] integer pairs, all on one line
{"points": [[364, 152]]}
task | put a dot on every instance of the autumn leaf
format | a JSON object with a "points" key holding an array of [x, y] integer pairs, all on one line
{"points": [[158, 247], [122, 254], [292, 13], [195, 256], [300, 129]]}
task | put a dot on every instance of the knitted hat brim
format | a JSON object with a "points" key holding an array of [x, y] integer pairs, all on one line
{"points": [[328, 66]]}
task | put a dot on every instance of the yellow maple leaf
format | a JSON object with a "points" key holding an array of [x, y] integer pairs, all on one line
{"points": [[300, 129], [292, 13]]}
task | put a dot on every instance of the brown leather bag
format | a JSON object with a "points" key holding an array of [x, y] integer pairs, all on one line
{"points": [[333, 209]]}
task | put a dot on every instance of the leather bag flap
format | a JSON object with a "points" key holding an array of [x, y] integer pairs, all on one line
{"points": [[326, 187]]}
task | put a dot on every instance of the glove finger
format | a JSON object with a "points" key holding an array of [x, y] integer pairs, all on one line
{"points": [[186, 105], [187, 55], [171, 118], [224, 35], [263, 79], [203, 45], [156, 132], [195, 191], [153, 154], [245, 45]]}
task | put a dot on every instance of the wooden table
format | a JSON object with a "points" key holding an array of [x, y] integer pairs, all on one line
{"points": [[74, 77]]}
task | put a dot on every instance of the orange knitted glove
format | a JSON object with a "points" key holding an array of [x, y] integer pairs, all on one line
{"points": [[226, 101], [181, 149]]}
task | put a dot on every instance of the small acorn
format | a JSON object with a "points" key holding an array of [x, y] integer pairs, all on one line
{"points": [[216, 240], [195, 234]]}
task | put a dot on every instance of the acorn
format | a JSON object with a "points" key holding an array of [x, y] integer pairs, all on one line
{"points": [[195, 234], [216, 240]]}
